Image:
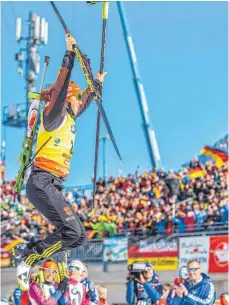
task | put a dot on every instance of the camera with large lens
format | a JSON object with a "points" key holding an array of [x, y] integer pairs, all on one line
{"points": [[136, 269]]}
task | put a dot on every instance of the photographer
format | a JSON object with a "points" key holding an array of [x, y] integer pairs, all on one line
{"points": [[198, 289], [144, 285]]}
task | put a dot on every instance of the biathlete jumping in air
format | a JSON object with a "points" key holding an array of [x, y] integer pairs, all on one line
{"points": [[54, 149]]}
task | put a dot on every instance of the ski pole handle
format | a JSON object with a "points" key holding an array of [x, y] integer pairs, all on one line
{"points": [[47, 58], [105, 10], [104, 17]]}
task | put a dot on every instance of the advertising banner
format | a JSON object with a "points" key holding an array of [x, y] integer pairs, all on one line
{"points": [[115, 249], [194, 248], [162, 254], [218, 260]]}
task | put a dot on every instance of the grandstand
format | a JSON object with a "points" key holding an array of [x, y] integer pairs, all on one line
{"points": [[137, 203]]}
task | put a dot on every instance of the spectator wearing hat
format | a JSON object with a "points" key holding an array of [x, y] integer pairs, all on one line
{"points": [[92, 295], [147, 288], [76, 292], [198, 289]]}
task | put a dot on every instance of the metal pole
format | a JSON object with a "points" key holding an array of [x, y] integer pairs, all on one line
{"points": [[104, 158], [148, 130], [104, 139]]}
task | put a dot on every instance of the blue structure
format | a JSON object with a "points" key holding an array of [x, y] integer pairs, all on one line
{"points": [[148, 130]]}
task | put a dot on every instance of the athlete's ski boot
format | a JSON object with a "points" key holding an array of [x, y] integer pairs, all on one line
{"points": [[17, 254], [23, 275], [24, 268]]}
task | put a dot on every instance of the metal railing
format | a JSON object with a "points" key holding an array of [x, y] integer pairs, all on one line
{"points": [[190, 229], [91, 252]]}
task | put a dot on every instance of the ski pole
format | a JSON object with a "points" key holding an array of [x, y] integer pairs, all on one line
{"points": [[105, 8]]}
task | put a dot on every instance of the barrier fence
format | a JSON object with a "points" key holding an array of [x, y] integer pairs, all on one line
{"points": [[139, 233], [165, 253], [91, 252]]}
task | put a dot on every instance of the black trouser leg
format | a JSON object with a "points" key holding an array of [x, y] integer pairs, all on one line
{"points": [[44, 192]]}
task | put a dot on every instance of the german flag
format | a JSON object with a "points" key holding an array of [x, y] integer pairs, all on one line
{"points": [[196, 172], [8, 245], [218, 156]]}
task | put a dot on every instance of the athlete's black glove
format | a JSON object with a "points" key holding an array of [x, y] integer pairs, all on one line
{"points": [[64, 285]]}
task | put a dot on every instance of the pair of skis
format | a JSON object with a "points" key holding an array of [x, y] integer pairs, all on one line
{"points": [[26, 156]]}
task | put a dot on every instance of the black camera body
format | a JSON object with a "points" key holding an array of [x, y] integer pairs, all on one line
{"points": [[137, 268]]}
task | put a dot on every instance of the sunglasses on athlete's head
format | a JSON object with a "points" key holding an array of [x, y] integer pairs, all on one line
{"points": [[50, 271], [192, 270], [73, 268], [78, 96]]}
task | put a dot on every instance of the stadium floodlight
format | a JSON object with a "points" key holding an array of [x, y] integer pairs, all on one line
{"points": [[46, 33], [42, 32], [36, 33], [18, 29]]}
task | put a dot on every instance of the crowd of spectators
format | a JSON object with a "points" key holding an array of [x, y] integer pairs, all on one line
{"points": [[134, 202]]}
